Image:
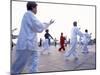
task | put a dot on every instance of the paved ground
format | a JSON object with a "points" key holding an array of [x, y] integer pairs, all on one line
{"points": [[55, 61]]}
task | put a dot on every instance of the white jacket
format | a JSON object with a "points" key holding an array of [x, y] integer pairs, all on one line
{"points": [[74, 32], [30, 26], [86, 38]]}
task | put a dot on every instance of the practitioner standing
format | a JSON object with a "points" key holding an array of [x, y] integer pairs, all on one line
{"points": [[62, 42], [47, 42], [55, 42], [40, 43], [48, 36], [85, 40], [66, 41], [27, 41], [73, 41]]}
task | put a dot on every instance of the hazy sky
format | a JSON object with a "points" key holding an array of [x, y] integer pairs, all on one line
{"points": [[64, 15]]}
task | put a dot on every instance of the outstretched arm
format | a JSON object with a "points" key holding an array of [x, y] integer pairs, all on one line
{"points": [[50, 36], [35, 24]]}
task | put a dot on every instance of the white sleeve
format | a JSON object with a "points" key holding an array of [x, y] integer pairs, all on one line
{"points": [[46, 25], [36, 25], [79, 32]]}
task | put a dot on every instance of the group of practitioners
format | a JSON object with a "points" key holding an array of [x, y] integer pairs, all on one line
{"points": [[27, 45], [45, 44], [84, 39]]}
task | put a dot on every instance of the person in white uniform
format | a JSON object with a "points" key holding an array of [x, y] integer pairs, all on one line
{"points": [[27, 40], [73, 42], [85, 40], [47, 42]]}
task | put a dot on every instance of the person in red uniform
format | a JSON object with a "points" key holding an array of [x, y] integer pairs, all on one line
{"points": [[62, 42]]}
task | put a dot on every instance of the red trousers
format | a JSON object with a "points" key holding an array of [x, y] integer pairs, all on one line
{"points": [[62, 47]]}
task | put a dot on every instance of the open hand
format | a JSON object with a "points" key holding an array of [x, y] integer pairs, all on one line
{"points": [[51, 21]]}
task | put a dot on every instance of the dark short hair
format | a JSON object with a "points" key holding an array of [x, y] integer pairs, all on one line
{"points": [[31, 4], [75, 23], [46, 30], [86, 30], [61, 33]]}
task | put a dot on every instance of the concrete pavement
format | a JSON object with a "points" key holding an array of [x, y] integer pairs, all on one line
{"points": [[55, 61]]}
